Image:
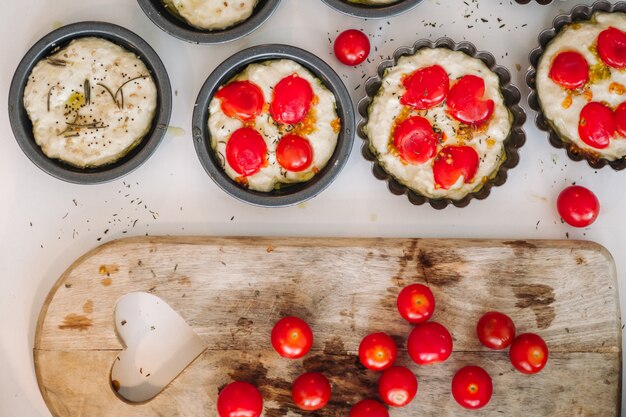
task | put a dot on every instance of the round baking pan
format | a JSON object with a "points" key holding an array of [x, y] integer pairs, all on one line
{"points": [[179, 28], [578, 14], [294, 193], [22, 126], [511, 97], [366, 11]]}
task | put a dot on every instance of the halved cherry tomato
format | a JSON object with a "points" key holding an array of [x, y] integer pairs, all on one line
{"points": [[416, 303], [620, 119], [378, 351], [241, 100], [311, 391], [426, 87], [368, 408], [294, 153], [415, 140], [292, 337], [612, 47], [292, 100], [239, 399], [596, 125], [429, 343], [397, 386], [245, 151], [578, 206], [452, 162], [465, 101], [495, 330], [529, 353], [352, 47], [472, 387], [570, 70]]}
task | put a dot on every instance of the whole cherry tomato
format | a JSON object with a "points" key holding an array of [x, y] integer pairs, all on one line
{"points": [[529, 353], [452, 162], [596, 125], [311, 391], [294, 153], [495, 330], [239, 399], [352, 47], [245, 151], [415, 140], [292, 100], [429, 343], [397, 386], [378, 351], [241, 100], [578, 206], [426, 87], [465, 101], [416, 303], [612, 47], [472, 387], [570, 70], [368, 408], [292, 337]]}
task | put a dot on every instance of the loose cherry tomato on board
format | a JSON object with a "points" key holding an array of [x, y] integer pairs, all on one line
{"points": [[378, 351], [292, 337], [596, 125], [292, 100], [429, 343], [472, 387], [245, 151], [495, 330], [465, 101], [426, 87], [620, 119], [415, 140], [241, 100], [239, 399], [612, 47], [452, 162], [311, 391], [352, 47], [578, 206], [294, 153], [416, 303], [368, 408], [397, 386], [570, 70], [529, 353]]}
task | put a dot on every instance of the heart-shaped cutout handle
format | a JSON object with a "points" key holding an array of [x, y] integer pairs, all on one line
{"points": [[159, 346]]}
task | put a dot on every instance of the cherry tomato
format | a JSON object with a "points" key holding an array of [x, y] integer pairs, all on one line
{"points": [[465, 101], [472, 387], [352, 47], [429, 343], [612, 47], [311, 391], [245, 151], [292, 337], [415, 140], [292, 100], [294, 153], [239, 399], [368, 408], [378, 351], [452, 162], [495, 330], [529, 353], [596, 125], [416, 303], [241, 100], [426, 87], [578, 206], [620, 119], [570, 70], [397, 386]]}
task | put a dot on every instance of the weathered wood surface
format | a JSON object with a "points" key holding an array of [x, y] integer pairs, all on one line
{"points": [[231, 291]]}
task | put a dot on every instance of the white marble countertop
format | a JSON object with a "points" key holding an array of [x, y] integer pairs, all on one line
{"points": [[45, 224]]}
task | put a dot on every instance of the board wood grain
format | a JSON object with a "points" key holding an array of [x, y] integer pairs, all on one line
{"points": [[232, 290]]}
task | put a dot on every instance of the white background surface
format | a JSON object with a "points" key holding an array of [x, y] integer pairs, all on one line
{"points": [[45, 224]]}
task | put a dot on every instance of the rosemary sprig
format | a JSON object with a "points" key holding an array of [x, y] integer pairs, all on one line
{"points": [[49, 94], [56, 62], [119, 90], [87, 88], [110, 93]]}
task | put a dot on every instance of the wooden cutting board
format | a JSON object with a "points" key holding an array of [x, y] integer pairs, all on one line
{"points": [[232, 290]]}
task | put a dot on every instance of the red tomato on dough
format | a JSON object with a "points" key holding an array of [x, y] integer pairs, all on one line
{"points": [[426, 87], [292, 100], [465, 101], [452, 162], [241, 100], [570, 70], [294, 153], [612, 47], [596, 125], [245, 151], [415, 140]]}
